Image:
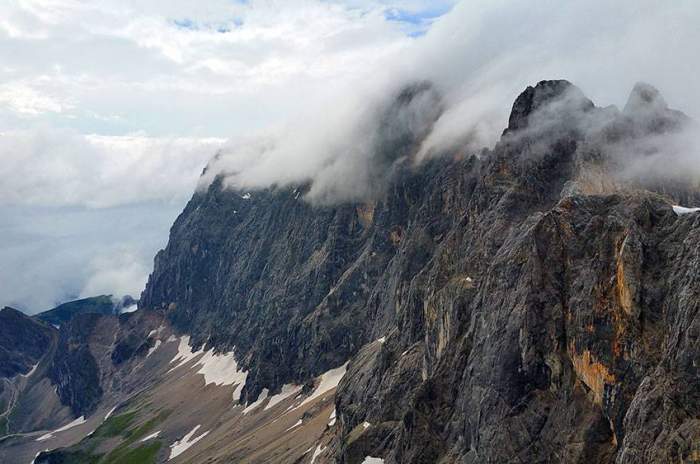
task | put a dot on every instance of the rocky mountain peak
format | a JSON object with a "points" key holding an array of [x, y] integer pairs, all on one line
{"points": [[649, 113], [644, 97], [544, 95], [523, 287]]}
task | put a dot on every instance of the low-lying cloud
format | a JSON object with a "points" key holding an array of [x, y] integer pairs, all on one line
{"points": [[50, 167], [479, 57], [54, 254], [84, 215]]}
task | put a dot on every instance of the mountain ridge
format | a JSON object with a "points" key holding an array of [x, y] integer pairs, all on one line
{"points": [[374, 255], [531, 303]]}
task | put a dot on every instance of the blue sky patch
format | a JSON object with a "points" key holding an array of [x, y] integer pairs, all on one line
{"points": [[221, 27], [417, 22]]}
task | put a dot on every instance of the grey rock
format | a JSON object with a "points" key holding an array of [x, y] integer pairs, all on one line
{"points": [[535, 309]]}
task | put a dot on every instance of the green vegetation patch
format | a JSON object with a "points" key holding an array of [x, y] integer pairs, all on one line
{"points": [[145, 454], [115, 425], [142, 431]]}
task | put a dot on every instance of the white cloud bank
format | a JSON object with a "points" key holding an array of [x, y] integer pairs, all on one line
{"points": [[109, 109], [479, 57], [50, 167]]}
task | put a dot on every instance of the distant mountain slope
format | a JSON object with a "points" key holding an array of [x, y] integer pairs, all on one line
{"points": [[25, 344], [23, 341], [103, 304]]}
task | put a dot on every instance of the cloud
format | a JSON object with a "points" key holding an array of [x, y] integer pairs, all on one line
{"points": [[498, 48], [479, 57], [54, 254], [109, 110], [134, 59], [347, 155], [85, 214], [121, 272], [51, 167], [26, 101]]}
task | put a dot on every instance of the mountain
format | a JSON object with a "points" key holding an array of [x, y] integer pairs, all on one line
{"points": [[103, 304], [528, 299], [22, 342], [535, 302], [26, 346]]}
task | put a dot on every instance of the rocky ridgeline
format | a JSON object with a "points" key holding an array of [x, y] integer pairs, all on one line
{"points": [[534, 303]]}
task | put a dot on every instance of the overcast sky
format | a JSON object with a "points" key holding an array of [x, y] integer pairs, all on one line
{"points": [[109, 109]]}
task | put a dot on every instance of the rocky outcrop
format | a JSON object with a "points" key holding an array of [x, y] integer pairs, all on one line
{"points": [[75, 371], [533, 304], [96, 354]]}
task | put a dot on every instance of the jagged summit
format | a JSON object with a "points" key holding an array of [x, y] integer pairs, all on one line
{"points": [[543, 95], [644, 97], [648, 111], [506, 307]]}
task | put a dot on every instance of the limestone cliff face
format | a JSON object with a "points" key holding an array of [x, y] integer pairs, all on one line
{"points": [[532, 305]]}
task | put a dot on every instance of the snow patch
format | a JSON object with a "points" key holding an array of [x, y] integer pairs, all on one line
{"points": [[219, 369], [371, 460], [262, 397], [151, 436], [381, 340], [331, 420], [109, 413], [329, 381], [37, 455], [153, 348], [366, 425], [184, 353], [29, 374], [79, 421], [155, 331], [319, 449], [246, 196], [680, 210], [297, 424], [287, 391], [187, 441]]}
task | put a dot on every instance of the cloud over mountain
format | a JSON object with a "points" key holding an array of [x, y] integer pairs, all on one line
{"points": [[118, 105]]}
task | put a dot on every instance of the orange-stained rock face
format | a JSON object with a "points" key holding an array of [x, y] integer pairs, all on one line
{"points": [[623, 291], [623, 288], [591, 372], [365, 213], [395, 235]]}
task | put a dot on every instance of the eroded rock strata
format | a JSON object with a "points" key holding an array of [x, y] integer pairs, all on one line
{"points": [[537, 305], [535, 302]]}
